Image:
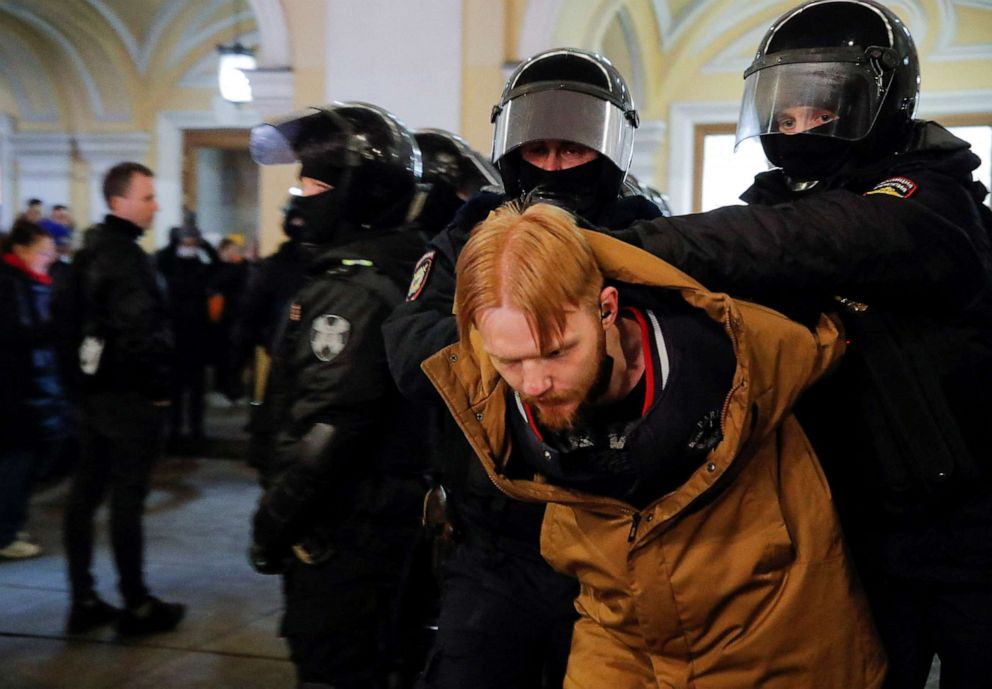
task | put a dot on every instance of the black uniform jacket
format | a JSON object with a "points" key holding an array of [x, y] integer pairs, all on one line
{"points": [[114, 295], [901, 249], [329, 372]]}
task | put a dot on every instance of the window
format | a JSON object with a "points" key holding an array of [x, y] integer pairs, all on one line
{"points": [[723, 175]]}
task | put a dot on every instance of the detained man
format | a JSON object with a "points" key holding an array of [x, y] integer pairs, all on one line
{"points": [[655, 417]]}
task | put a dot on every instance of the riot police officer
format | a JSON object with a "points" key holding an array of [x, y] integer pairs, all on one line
{"points": [[455, 173], [877, 215], [506, 616], [340, 510]]}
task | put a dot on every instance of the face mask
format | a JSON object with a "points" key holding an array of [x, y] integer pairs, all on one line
{"points": [[807, 157], [315, 217], [573, 189]]}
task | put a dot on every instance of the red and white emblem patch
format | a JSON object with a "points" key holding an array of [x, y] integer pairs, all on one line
{"points": [[420, 273], [900, 187]]}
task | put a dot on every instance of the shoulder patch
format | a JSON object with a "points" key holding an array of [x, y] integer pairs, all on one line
{"points": [[420, 273], [900, 187], [328, 336]]}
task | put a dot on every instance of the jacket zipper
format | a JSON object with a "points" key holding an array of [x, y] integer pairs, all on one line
{"points": [[635, 520]]}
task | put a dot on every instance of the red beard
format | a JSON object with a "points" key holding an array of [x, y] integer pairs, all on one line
{"points": [[559, 410]]}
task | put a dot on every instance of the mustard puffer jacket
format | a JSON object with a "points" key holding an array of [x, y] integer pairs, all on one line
{"points": [[738, 578]]}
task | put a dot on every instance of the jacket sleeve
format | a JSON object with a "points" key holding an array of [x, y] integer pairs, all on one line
{"points": [[789, 358], [834, 242], [340, 380], [424, 324]]}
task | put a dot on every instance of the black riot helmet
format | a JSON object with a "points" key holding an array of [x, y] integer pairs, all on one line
{"points": [[454, 172], [635, 187], [572, 95], [369, 159], [844, 74]]}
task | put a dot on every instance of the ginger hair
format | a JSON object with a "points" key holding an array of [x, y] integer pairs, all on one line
{"points": [[535, 260]]}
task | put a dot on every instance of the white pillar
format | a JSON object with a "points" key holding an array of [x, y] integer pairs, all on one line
{"points": [[101, 152], [648, 138], [272, 91], [43, 163], [8, 202], [403, 56]]}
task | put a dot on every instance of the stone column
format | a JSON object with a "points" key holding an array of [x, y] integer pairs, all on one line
{"points": [[8, 191], [648, 139], [43, 169], [403, 56]]}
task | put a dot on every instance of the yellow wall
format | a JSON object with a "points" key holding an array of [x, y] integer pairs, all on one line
{"points": [[676, 53]]}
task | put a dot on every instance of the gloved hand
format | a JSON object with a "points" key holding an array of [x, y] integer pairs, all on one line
{"points": [[268, 560]]}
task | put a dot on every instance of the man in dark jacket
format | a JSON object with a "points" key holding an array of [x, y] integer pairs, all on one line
{"points": [[343, 486], [506, 617], [878, 215], [122, 349], [187, 264]]}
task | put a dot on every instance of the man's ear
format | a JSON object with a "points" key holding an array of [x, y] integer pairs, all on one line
{"points": [[609, 305]]}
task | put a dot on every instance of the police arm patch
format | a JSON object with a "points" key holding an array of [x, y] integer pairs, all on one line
{"points": [[420, 273], [900, 187], [328, 336]]}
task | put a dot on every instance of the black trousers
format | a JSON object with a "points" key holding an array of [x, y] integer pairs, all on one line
{"points": [[120, 440], [506, 621], [189, 396], [918, 620], [339, 620]]}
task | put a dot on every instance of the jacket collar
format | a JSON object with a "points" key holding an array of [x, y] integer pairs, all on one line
{"points": [[116, 223], [14, 261]]}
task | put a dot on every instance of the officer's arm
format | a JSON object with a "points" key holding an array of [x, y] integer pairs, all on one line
{"points": [[836, 242], [339, 382], [424, 324]]}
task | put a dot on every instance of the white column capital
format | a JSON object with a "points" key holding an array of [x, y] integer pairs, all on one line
{"points": [[272, 90], [40, 146], [100, 148]]}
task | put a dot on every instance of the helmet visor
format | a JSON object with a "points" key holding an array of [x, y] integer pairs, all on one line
{"points": [[273, 144], [837, 99], [564, 116]]}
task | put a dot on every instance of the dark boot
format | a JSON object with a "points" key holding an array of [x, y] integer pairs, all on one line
{"points": [[90, 613], [151, 617]]}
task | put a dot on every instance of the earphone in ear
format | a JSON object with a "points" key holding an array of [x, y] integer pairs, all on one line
{"points": [[604, 314]]}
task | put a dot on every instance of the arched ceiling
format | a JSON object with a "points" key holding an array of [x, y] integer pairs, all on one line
{"points": [[82, 63], [697, 49]]}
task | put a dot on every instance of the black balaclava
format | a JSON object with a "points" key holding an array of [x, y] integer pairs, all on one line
{"points": [[575, 189], [808, 157], [325, 217]]}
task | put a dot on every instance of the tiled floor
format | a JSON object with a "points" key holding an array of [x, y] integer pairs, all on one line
{"points": [[197, 534]]}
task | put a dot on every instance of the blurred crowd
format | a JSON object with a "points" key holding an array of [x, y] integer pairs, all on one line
{"points": [[206, 288]]}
